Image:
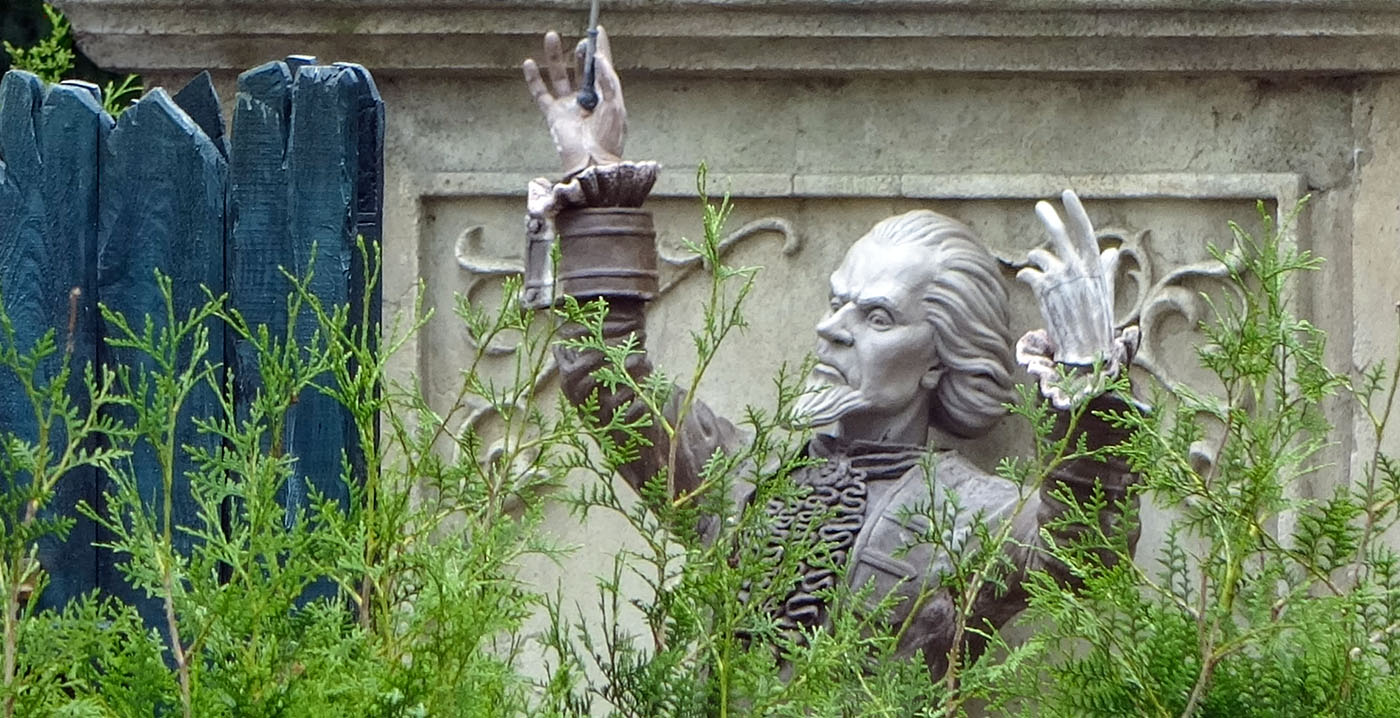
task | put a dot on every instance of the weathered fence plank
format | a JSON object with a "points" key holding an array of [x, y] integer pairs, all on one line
{"points": [[324, 215], [50, 143], [71, 135], [163, 189], [258, 235], [259, 247], [366, 299], [21, 235]]}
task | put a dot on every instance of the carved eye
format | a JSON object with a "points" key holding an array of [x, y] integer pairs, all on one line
{"points": [[836, 304], [879, 318]]}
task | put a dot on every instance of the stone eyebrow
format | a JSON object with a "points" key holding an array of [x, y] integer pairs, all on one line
{"points": [[877, 302], [865, 304]]}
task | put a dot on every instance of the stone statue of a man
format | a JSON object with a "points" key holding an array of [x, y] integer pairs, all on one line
{"points": [[916, 336]]}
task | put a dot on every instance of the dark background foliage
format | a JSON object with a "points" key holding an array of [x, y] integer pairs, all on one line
{"points": [[22, 23]]}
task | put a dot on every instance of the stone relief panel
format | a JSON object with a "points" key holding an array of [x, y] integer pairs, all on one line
{"points": [[470, 244]]}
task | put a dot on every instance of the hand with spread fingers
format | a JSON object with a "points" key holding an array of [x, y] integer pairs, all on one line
{"points": [[1074, 287], [1073, 284], [582, 137]]}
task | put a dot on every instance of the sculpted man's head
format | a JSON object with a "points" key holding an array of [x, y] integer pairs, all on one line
{"points": [[918, 333]]}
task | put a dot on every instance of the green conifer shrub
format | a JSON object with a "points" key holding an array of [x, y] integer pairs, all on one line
{"points": [[427, 612]]}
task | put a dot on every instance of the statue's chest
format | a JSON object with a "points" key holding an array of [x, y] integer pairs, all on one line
{"points": [[810, 538], [877, 527], [828, 513]]}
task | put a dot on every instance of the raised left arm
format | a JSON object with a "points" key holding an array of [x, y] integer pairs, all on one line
{"points": [[1074, 286]]}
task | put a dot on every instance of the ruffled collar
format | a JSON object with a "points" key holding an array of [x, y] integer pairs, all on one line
{"points": [[877, 459]]}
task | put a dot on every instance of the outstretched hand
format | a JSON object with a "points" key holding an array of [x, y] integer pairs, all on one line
{"points": [[582, 137], [1074, 285]]}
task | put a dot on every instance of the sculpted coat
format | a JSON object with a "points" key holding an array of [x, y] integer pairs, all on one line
{"points": [[873, 495]]}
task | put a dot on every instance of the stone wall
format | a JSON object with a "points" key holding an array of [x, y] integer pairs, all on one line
{"points": [[1170, 117]]}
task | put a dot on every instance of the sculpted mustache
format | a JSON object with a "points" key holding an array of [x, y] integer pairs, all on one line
{"points": [[823, 403]]}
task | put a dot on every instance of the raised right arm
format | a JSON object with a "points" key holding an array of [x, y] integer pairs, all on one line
{"points": [[608, 251]]}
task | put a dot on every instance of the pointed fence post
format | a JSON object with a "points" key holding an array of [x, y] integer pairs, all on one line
{"points": [[162, 200], [50, 139], [324, 168]]}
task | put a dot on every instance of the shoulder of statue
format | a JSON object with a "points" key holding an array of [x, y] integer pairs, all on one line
{"points": [[975, 490]]}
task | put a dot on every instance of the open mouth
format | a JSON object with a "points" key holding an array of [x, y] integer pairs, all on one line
{"points": [[829, 372]]}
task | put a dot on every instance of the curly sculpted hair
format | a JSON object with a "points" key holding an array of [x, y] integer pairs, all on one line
{"points": [[967, 306]]}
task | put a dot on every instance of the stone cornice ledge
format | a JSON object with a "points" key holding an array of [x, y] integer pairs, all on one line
{"points": [[824, 37]]}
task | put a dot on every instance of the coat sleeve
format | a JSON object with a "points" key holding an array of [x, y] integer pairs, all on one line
{"points": [[595, 262], [1078, 480], [699, 436]]}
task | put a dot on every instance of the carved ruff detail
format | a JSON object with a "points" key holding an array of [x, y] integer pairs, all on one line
{"points": [[829, 516]]}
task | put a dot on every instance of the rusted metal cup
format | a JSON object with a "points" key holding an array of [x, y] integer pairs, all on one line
{"points": [[607, 252]]}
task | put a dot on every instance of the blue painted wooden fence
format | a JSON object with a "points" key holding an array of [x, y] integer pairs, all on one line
{"points": [[95, 204]]}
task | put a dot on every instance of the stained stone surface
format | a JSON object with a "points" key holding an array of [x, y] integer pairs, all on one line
{"points": [[1169, 117]]}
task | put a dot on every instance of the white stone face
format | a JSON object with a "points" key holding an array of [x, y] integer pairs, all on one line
{"points": [[877, 358]]}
